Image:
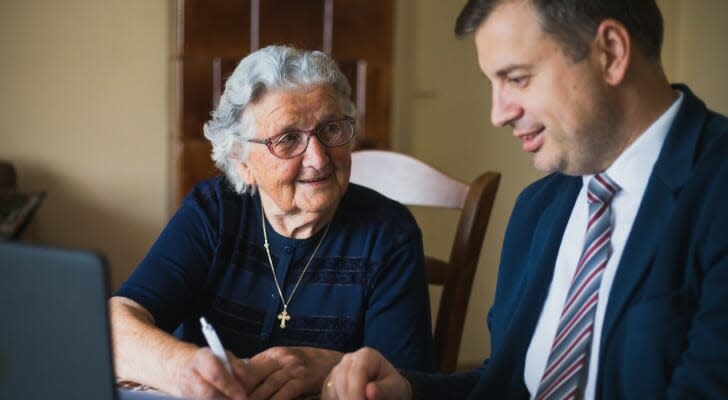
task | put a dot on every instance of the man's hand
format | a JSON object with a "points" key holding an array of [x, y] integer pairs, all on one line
{"points": [[365, 375], [299, 371]]}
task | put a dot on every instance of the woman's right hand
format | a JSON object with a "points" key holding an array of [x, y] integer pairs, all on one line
{"points": [[146, 355], [202, 375]]}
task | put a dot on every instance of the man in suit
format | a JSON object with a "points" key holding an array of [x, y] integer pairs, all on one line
{"points": [[613, 281]]}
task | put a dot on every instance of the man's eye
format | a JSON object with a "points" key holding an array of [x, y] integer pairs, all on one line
{"points": [[519, 80]]}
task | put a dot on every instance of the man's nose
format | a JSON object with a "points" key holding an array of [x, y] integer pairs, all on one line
{"points": [[504, 109]]}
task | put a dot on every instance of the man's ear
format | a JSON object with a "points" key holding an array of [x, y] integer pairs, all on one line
{"points": [[614, 48]]}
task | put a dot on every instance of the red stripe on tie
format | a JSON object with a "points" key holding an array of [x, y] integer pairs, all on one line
{"points": [[591, 250], [577, 293], [606, 184], [592, 301], [585, 333], [568, 373]]}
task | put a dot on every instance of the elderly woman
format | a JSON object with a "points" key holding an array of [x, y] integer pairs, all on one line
{"points": [[289, 262]]}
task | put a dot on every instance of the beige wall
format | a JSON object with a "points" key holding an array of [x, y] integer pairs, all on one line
{"points": [[701, 52], [443, 117], [447, 103], [84, 114]]}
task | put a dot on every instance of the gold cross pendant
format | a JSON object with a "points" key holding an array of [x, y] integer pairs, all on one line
{"points": [[284, 316]]}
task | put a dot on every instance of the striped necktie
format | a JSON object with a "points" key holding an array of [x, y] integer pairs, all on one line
{"points": [[566, 370]]}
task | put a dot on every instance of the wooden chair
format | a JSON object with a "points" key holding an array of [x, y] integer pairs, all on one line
{"points": [[412, 182], [8, 177], [16, 209]]}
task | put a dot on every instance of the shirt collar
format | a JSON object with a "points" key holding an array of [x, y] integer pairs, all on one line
{"points": [[633, 167]]}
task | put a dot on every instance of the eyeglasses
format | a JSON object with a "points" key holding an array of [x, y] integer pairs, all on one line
{"points": [[294, 143]]}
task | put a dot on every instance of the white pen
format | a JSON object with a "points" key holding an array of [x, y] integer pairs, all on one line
{"points": [[214, 342]]}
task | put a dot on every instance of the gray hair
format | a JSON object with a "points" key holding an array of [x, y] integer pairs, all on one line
{"points": [[272, 67]]}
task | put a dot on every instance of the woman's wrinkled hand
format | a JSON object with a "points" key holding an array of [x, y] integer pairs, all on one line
{"points": [[300, 371], [202, 375]]}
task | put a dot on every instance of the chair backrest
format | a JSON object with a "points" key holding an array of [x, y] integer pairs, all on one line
{"points": [[412, 182], [8, 177]]}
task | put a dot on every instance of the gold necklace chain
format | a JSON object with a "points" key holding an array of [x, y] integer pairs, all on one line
{"points": [[284, 316]]}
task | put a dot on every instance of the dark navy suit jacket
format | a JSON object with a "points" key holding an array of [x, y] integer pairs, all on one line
{"points": [[665, 332]]}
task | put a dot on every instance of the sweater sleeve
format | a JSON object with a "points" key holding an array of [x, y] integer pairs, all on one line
{"points": [[397, 320], [169, 278]]}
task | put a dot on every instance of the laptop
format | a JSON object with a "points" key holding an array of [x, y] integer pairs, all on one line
{"points": [[54, 334]]}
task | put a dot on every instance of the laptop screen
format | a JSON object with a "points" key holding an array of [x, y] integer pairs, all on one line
{"points": [[54, 333]]}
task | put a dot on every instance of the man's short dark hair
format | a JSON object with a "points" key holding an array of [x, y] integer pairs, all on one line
{"points": [[574, 22]]}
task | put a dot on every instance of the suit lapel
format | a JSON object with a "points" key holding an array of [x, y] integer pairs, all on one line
{"points": [[542, 257], [672, 169], [511, 355]]}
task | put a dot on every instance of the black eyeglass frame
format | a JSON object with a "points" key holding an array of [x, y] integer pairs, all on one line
{"points": [[310, 132]]}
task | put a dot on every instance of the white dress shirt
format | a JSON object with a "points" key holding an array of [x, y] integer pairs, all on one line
{"points": [[631, 171]]}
